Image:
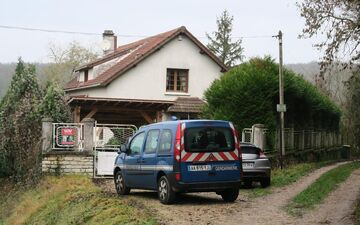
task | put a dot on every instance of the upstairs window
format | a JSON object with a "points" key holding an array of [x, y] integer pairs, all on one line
{"points": [[86, 75], [177, 80]]}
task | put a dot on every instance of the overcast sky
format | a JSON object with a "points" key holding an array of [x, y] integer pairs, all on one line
{"points": [[253, 19]]}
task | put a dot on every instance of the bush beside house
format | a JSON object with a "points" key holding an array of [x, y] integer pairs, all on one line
{"points": [[248, 94]]}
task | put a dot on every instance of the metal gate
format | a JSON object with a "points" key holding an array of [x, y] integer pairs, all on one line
{"points": [[107, 139]]}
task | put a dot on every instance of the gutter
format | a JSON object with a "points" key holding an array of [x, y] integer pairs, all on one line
{"points": [[81, 88]]}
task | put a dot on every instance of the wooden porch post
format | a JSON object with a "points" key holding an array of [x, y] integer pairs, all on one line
{"points": [[76, 114], [146, 116], [90, 114]]}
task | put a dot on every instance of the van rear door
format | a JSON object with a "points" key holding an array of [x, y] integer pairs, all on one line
{"points": [[210, 152]]}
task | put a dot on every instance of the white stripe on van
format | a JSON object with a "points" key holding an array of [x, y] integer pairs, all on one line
{"points": [[217, 156], [228, 155], [204, 157], [192, 157]]}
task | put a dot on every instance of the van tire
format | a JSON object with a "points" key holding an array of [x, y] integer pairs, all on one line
{"points": [[265, 182], [230, 195], [120, 185], [165, 193]]}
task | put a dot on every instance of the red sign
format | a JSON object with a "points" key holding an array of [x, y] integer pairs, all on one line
{"points": [[68, 135], [67, 131]]}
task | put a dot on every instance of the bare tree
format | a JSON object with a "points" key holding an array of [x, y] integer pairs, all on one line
{"points": [[65, 60], [339, 21]]}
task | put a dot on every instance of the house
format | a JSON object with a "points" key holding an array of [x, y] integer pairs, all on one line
{"points": [[145, 81]]}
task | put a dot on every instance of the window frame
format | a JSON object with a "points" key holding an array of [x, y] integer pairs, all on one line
{"points": [[175, 82]]}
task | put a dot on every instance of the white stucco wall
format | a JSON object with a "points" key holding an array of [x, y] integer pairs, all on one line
{"points": [[148, 79]]}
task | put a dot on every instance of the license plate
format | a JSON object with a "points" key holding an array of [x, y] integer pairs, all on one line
{"points": [[248, 165], [199, 168]]}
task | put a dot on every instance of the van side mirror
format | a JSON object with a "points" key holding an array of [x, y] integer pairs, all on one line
{"points": [[122, 149]]}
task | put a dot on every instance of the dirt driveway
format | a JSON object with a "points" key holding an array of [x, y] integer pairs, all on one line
{"points": [[209, 209]]}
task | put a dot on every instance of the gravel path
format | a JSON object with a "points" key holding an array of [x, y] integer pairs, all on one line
{"points": [[209, 208]]}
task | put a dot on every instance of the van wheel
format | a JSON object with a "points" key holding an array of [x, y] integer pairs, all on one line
{"points": [[165, 193], [265, 182], [230, 195], [120, 185]]}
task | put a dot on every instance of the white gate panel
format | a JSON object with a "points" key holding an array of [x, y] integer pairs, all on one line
{"points": [[107, 139], [105, 163]]}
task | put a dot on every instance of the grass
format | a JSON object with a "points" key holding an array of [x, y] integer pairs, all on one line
{"points": [[320, 189], [357, 213], [68, 200], [286, 176]]}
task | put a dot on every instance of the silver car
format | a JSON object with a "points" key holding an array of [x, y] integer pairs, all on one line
{"points": [[256, 166]]}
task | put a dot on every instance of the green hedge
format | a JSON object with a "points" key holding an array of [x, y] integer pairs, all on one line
{"points": [[248, 94]]}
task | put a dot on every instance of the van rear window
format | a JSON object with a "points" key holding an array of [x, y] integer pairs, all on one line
{"points": [[208, 139]]}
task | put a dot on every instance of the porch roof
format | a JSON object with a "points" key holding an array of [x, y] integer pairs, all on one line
{"points": [[139, 104]]}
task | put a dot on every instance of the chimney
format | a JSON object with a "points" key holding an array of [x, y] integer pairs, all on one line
{"points": [[109, 43]]}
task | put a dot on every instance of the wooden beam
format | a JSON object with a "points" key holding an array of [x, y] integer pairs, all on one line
{"points": [[76, 114], [158, 116], [91, 113], [119, 109], [146, 116]]}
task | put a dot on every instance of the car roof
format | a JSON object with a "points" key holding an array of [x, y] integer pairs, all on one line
{"points": [[247, 144], [175, 122]]}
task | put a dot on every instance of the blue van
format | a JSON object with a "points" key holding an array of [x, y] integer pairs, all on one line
{"points": [[181, 156]]}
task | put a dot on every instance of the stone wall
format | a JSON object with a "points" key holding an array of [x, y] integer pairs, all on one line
{"points": [[68, 163]]}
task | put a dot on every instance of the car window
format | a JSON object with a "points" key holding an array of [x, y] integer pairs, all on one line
{"points": [[209, 139], [136, 143], [250, 150], [152, 141], [165, 141]]}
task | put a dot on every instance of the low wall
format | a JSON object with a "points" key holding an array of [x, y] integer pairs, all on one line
{"points": [[56, 162]]}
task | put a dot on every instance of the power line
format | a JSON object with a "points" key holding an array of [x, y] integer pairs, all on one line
{"points": [[119, 35], [47, 30]]}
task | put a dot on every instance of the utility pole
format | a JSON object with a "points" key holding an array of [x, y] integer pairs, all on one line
{"points": [[281, 107]]}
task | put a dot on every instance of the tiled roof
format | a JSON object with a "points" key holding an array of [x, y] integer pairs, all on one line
{"points": [[187, 104], [135, 52]]}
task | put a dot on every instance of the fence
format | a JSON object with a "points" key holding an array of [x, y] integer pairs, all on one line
{"points": [[296, 140], [309, 139], [111, 136]]}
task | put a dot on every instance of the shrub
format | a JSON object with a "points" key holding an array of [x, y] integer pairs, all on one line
{"points": [[248, 94]]}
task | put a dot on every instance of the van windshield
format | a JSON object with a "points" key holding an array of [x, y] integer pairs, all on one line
{"points": [[209, 139]]}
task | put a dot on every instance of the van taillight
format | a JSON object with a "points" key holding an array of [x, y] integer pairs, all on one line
{"points": [[238, 144], [177, 147], [237, 140]]}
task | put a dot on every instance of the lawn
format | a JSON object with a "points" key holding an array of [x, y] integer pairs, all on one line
{"points": [[320, 189], [286, 176], [67, 200]]}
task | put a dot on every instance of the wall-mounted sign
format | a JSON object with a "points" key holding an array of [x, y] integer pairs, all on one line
{"points": [[67, 135]]}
